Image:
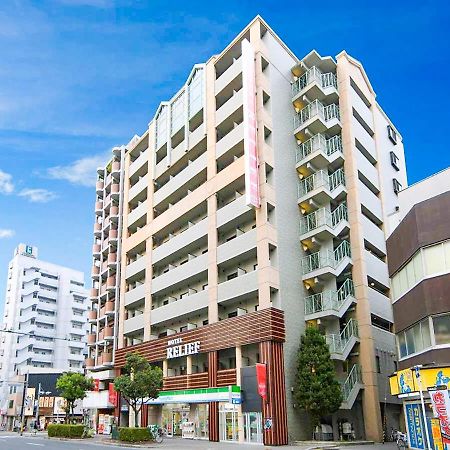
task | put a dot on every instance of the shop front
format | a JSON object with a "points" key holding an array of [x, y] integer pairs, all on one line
{"points": [[222, 382]]}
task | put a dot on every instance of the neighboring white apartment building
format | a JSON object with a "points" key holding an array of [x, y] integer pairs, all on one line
{"points": [[255, 205], [48, 304]]}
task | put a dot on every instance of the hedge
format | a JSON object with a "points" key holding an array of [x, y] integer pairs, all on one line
{"points": [[134, 434], [64, 430]]}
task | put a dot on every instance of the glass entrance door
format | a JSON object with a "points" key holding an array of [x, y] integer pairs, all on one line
{"points": [[201, 421], [228, 423], [253, 427]]}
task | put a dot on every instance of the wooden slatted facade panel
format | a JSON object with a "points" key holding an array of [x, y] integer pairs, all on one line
{"points": [[255, 327], [226, 377]]}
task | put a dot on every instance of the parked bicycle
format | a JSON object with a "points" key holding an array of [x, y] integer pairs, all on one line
{"points": [[401, 440], [157, 433]]}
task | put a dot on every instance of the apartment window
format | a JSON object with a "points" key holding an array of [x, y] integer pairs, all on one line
{"points": [[35, 294], [441, 325], [183, 328], [415, 338], [378, 363], [232, 275], [205, 322], [392, 134], [396, 185], [11, 404], [394, 161]]}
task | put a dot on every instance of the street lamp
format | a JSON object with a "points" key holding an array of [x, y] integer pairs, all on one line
{"points": [[39, 393]]}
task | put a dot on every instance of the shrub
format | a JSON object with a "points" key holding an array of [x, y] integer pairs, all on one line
{"points": [[134, 434], [64, 430]]}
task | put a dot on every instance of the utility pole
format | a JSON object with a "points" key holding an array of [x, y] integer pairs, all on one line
{"points": [[22, 409]]}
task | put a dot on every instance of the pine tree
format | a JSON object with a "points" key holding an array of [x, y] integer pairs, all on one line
{"points": [[317, 389]]}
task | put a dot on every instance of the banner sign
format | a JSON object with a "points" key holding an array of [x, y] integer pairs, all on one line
{"points": [[112, 394], [415, 427], [404, 381], [441, 407], [59, 406], [261, 379], [29, 402], [96, 385], [252, 196], [436, 433]]}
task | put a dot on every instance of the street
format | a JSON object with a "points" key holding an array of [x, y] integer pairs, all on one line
{"points": [[11, 441]]}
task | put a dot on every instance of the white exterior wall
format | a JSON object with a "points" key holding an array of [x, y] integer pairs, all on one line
{"points": [[48, 308]]}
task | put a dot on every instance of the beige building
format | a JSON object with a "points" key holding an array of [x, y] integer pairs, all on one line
{"points": [[254, 204]]}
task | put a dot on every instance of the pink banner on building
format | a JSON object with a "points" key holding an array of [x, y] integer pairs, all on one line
{"points": [[441, 406], [249, 109]]}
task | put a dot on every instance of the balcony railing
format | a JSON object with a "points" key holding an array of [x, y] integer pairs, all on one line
{"points": [[354, 377], [328, 258], [316, 108], [312, 75], [323, 217], [329, 300], [319, 143], [321, 179], [338, 342]]}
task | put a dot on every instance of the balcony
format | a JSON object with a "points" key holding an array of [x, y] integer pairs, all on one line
{"points": [[115, 190], [365, 139], [97, 229], [181, 273], [95, 272], [111, 282], [330, 303], [113, 235], [106, 358], [230, 140], [317, 118], [112, 259], [371, 202], [99, 207], [324, 224], [373, 234], [229, 107], [96, 249], [327, 263], [99, 185], [232, 211], [92, 315], [138, 163], [181, 179], [109, 308], [314, 84], [189, 236], [183, 307], [89, 362], [230, 74], [239, 287], [351, 387], [108, 333], [137, 213], [380, 304], [135, 295], [320, 153], [238, 246], [114, 213], [341, 344], [319, 188], [376, 268], [115, 168], [368, 171], [93, 293], [137, 188], [133, 324], [196, 136], [136, 267], [91, 339]]}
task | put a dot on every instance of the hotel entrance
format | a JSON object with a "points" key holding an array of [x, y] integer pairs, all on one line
{"points": [[173, 417], [228, 422], [253, 427]]}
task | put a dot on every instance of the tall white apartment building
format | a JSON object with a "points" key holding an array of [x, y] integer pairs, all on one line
{"points": [[255, 205], [44, 320]]}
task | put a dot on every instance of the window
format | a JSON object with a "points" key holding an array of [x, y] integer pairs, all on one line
{"points": [[415, 338], [441, 325], [394, 161], [392, 135], [205, 322], [232, 275], [378, 364], [232, 314], [396, 185]]}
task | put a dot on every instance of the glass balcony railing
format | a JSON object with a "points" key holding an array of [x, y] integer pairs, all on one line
{"points": [[316, 108], [321, 179], [339, 342], [329, 300], [314, 74], [323, 217], [319, 143], [330, 258], [354, 377]]}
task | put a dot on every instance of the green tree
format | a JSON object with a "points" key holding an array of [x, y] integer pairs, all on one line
{"points": [[72, 386], [316, 389], [139, 381]]}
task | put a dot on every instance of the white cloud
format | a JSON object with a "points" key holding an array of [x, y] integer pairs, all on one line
{"points": [[82, 171], [5, 233], [38, 195], [6, 184]]}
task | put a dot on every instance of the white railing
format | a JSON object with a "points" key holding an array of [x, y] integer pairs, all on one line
{"points": [[338, 342], [316, 108], [319, 143], [354, 377], [329, 300], [330, 258], [323, 217], [312, 75], [321, 179]]}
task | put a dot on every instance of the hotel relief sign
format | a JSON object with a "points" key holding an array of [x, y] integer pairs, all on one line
{"points": [[176, 348]]}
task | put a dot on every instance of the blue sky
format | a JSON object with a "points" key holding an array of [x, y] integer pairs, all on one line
{"points": [[80, 76]]}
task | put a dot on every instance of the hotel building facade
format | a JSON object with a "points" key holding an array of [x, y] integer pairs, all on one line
{"points": [[254, 205]]}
